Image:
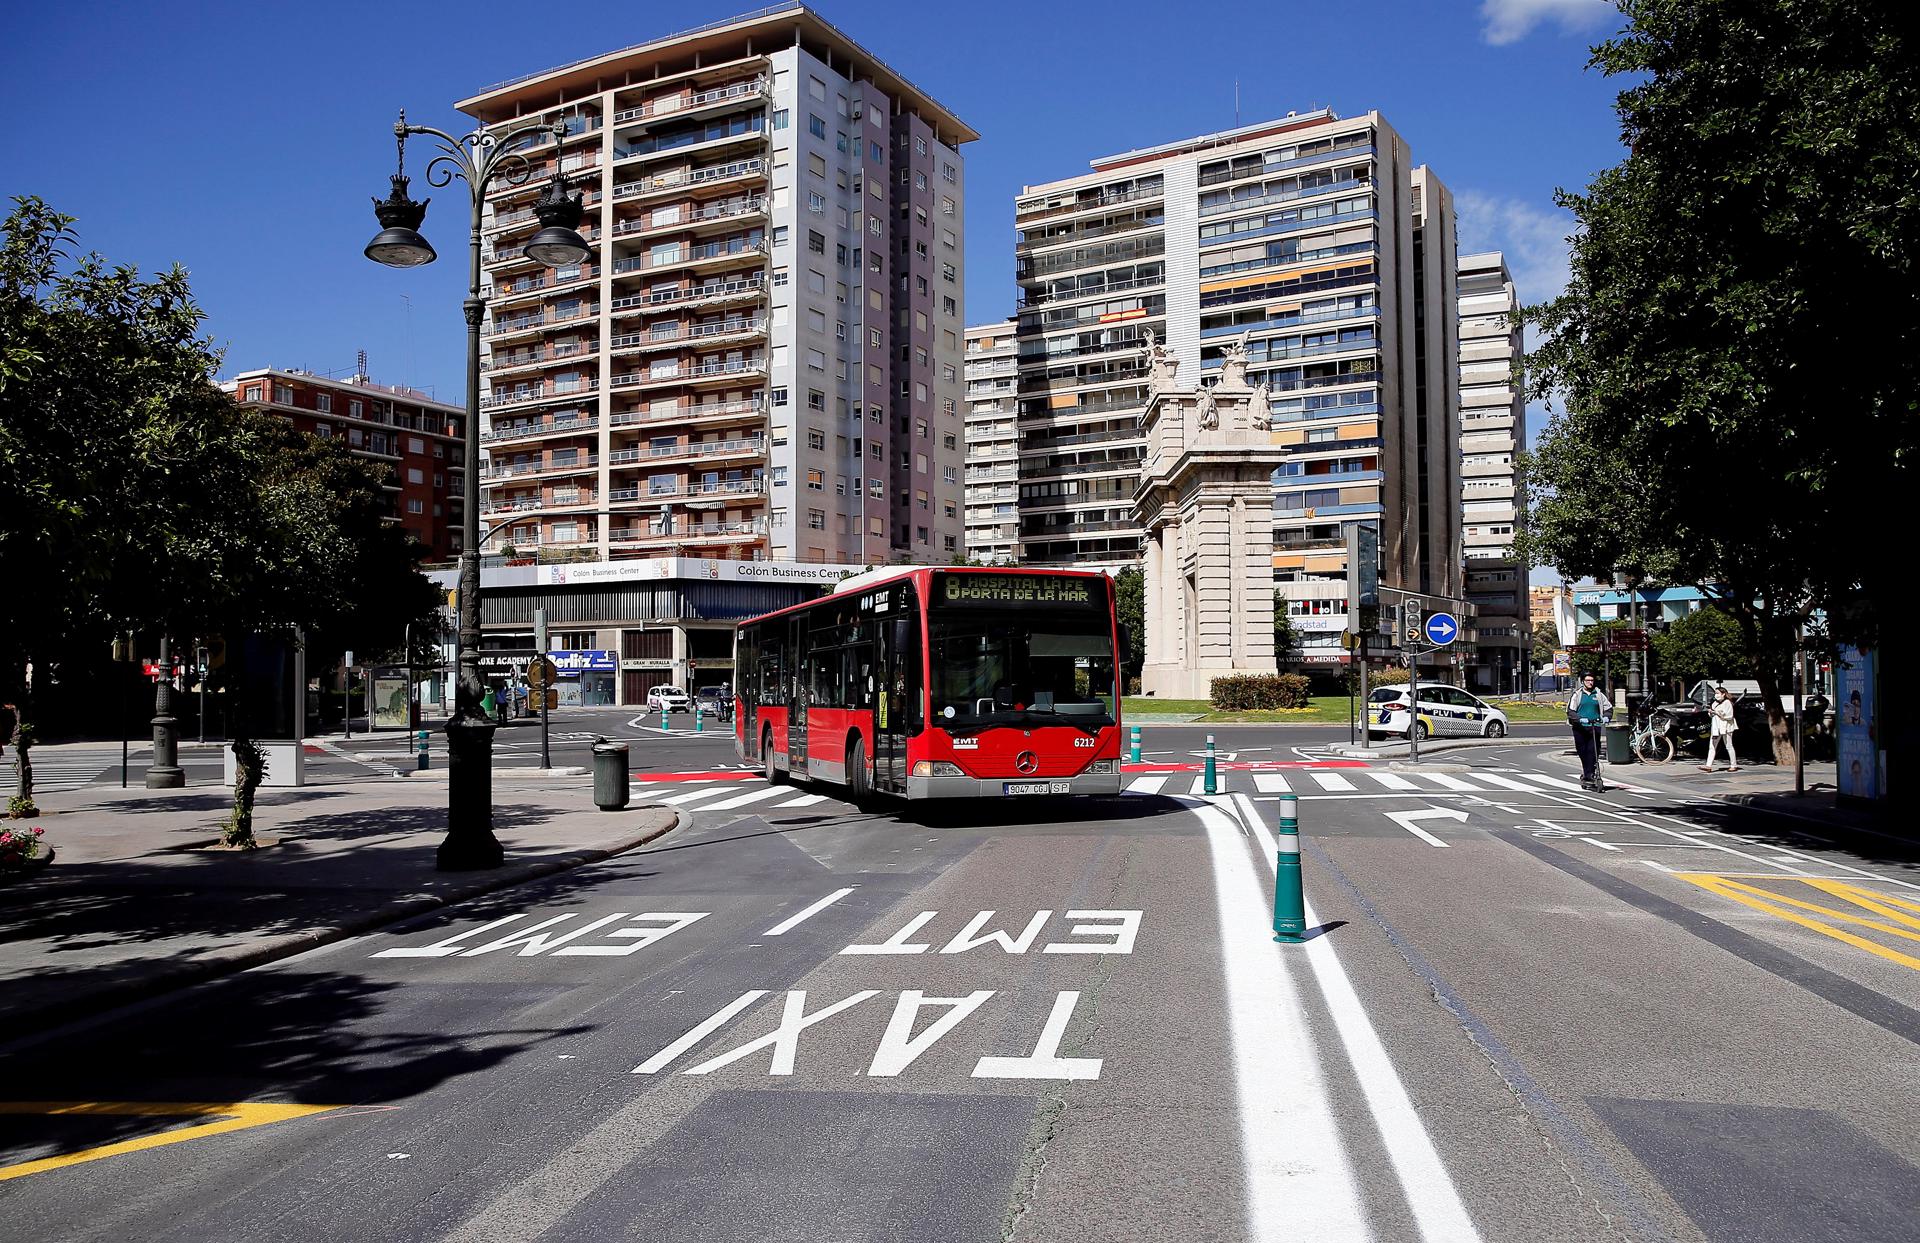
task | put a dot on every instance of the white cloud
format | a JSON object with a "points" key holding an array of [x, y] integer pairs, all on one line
{"points": [[1533, 236], [1509, 21]]}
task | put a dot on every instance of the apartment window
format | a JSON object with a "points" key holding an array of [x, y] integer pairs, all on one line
{"points": [[949, 441], [920, 534], [816, 321], [816, 281], [875, 154], [921, 499], [816, 481], [947, 540], [948, 172], [817, 165], [779, 396], [816, 439], [840, 328], [353, 407], [818, 129], [949, 508], [817, 204], [919, 427], [324, 431], [948, 239], [873, 337], [874, 415], [840, 485], [876, 527], [779, 476], [816, 400], [416, 507], [817, 519], [840, 248], [877, 489], [781, 117], [416, 445], [414, 475], [840, 140], [816, 88], [840, 292], [323, 402], [949, 273], [919, 144], [919, 463], [779, 239], [874, 450], [919, 179], [949, 307], [816, 360], [947, 474]]}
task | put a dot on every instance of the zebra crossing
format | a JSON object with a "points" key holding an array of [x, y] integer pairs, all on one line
{"points": [[725, 791], [72, 768], [1361, 782]]}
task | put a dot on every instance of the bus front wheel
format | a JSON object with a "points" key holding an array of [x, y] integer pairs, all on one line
{"points": [[766, 756], [857, 785]]}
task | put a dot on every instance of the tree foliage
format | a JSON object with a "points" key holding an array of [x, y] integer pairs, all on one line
{"points": [[1733, 364], [135, 496], [1705, 643], [1130, 607]]}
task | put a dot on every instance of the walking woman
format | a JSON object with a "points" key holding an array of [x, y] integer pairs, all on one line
{"points": [[1587, 711], [1721, 731]]}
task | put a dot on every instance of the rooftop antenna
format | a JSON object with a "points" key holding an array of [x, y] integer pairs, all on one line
{"points": [[1236, 103], [406, 336], [360, 366]]}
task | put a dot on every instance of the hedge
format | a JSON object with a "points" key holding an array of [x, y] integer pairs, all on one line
{"points": [[1243, 692]]}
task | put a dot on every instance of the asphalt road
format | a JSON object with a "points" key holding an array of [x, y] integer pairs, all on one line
{"points": [[1527, 1013]]}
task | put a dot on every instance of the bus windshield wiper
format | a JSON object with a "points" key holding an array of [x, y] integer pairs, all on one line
{"points": [[1089, 724]]}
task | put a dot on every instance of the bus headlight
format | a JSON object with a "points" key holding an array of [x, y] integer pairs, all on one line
{"points": [[936, 768], [1103, 766]]}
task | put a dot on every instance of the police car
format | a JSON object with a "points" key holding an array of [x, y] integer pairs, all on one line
{"points": [[1446, 711]]}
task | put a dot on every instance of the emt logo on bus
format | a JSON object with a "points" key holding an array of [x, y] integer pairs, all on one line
{"points": [[1013, 589]]}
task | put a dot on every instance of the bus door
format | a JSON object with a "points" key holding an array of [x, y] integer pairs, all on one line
{"points": [[799, 690], [895, 696]]}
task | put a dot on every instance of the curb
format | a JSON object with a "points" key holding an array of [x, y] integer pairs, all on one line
{"points": [[1435, 747], [229, 960]]}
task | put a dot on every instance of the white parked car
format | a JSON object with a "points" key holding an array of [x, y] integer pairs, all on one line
{"points": [[671, 698], [1444, 711]]}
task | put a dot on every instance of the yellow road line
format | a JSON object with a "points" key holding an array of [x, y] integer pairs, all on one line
{"points": [[1774, 904], [237, 1116], [1883, 903]]}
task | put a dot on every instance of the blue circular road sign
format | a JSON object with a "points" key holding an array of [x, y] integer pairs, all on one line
{"points": [[1442, 629]]}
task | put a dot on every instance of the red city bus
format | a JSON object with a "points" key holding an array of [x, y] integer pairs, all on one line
{"points": [[938, 684]]}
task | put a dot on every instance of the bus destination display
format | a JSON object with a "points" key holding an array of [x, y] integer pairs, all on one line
{"points": [[1018, 590]]}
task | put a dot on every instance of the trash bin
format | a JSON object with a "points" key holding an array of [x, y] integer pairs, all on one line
{"points": [[1619, 744], [610, 777]]}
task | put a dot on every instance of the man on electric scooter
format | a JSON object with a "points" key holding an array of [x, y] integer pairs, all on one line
{"points": [[1587, 711]]}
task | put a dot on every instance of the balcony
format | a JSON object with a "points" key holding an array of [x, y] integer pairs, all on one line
{"points": [[537, 392], [689, 147], [524, 470], [1288, 321], [723, 490], [537, 357], [520, 218], [530, 285], [681, 105], [702, 373], [689, 532], [572, 166], [1039, 210], [710, 334], [687, 412], [1285, 196], [704, 255], [1224, 175], [1040, 297], [753, 446], [711, 294], [725, 209], [534, 322], [687, 177], [530, 431]]}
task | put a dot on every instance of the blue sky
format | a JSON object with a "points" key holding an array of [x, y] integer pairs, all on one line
{"points": [[245, 141]]}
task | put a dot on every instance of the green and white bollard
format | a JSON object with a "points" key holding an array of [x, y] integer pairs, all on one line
{"points": [[1289, 900], [1213, 777], [698, 726], [664, 723], [420, 762], [1136, 744]]}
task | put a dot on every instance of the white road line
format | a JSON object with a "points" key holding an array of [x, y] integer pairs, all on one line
{"points": [[1431, 1194], [741, 800], [1147, 785], [789, 924], [692, 795], [1393, 781], [805, 800], [1298, 1179], [1271, 783], [1331, 781], [1447, 781], [1199, 786], [1505, 783]]}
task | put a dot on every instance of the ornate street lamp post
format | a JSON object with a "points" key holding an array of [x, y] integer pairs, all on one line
{"points": [[475, 159]]}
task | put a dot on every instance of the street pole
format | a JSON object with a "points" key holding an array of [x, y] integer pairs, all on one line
{"points": [[1360, 652], [164, 773], [474, 159], [1413, 705], [1799, 712], [546, 683], [200, 667]]}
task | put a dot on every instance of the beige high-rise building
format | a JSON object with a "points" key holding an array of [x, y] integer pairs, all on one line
{"points": [[1492, 490], [762, 357], [993, 469], [1315, 239]]}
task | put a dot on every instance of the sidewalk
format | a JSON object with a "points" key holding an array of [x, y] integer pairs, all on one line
{"points": [[135, 903]]}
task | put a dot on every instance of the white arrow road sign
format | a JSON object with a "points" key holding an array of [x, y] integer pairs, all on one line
{"points": [[1405, 819]]}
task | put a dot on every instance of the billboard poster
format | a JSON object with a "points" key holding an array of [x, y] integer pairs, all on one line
{"points": [[390, 700], [1857, 724]]}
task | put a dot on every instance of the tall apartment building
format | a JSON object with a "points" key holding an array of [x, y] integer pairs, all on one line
{"points": [[762, 358], [992, 444], [1492, 491], [1314, 238], [418, 439]]}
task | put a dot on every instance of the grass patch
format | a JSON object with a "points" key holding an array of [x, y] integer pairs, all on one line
{"points": [[1325, 710], [1144, 704]]}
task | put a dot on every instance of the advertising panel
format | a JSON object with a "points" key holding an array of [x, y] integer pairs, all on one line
{"points": [[390, 700], [1856, 715]]}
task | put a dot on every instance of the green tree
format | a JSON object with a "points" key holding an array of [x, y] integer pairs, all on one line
{"points": [[1130, 607], [1284, 635], [1546, 641], [1706, 643], [1764, 213], [1612, 668]]}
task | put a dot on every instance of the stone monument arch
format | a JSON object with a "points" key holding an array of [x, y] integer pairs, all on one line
{"points": [[1205, 506]]}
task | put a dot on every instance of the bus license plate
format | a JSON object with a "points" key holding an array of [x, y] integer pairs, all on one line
{"points": [[1037, 787]]}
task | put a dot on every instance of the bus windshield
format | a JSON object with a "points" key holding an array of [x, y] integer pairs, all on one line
{"points": [[991, 670]]}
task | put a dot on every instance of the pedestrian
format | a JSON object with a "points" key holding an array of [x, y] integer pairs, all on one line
{"points": [[1587, 711], [1721, 731]]}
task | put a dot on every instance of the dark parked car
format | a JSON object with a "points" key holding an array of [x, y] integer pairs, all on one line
{"points": [[1687, 721]]}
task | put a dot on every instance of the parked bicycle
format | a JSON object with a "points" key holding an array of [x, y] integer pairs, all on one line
{"points": [[1652, 737]]}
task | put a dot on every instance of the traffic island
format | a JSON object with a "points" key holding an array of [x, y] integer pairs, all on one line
{"points": [[137, 905]]}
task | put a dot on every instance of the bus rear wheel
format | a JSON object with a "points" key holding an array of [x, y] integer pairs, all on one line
{"points": [[857, 785], [766, 756]]}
